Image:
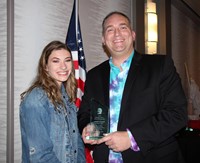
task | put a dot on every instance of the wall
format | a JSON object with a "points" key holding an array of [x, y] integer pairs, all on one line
{"points": [[185, 43], [3, 81], [36, 23]]}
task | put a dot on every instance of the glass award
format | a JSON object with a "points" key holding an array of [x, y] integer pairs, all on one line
{"points": [[99, 120]]}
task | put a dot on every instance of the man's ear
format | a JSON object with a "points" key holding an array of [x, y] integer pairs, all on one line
{"points": [[133, 35]]}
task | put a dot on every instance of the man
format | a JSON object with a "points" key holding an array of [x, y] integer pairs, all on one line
{"points": [[145, 97]]}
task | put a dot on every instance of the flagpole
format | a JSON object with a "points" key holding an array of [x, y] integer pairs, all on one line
{"points": [[76, 16]]}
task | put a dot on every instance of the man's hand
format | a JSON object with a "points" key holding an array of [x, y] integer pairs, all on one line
{"points": [[118, 141]]}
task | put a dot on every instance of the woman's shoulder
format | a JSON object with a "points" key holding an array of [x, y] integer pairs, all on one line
{"points": [[37, 92], [35, 95], [35, 103]]}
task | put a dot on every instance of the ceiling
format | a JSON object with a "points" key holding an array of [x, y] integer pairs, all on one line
{"points": [[194, 5]]}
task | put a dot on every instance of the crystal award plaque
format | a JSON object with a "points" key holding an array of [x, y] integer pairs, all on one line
{"points": [[99, 120]]}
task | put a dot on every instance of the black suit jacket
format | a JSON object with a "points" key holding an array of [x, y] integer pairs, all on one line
{"points": [[153, 107]]}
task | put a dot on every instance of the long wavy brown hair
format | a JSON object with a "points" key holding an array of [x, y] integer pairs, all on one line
{"points": [[47, 83]]}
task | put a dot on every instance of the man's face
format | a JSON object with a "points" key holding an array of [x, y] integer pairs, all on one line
{"points": [[118, 36]]}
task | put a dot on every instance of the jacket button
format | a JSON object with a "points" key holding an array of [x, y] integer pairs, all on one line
{"points": [[73, 131], [74, 151]]}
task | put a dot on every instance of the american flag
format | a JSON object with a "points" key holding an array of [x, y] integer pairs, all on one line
{"points": [[74, 42]]}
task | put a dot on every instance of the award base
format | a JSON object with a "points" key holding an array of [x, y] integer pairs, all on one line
{"points": [[93, 137]]}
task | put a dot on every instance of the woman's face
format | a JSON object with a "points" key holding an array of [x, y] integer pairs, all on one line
{"points": [[59, 65]]}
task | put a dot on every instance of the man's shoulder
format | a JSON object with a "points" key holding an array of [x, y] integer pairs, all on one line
{"points": [[101, 67], [156, 58]]}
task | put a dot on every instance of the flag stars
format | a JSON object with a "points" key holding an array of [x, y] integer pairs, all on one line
{"points": [[82, 58], [80, 49], [79, 40]]}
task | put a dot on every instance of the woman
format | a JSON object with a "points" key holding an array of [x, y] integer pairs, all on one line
{"points": [[48, 116]]}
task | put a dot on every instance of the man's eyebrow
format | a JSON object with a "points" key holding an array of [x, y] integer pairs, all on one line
{"points": [[123, 24], [119, 24], [108, 26]]}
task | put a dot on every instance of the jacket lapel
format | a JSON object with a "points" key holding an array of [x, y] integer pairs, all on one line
{"points": [[132, 75], [105, 79]]}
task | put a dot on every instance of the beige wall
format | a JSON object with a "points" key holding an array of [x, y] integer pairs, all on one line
{"points": [[3, 81], [185, 44]]}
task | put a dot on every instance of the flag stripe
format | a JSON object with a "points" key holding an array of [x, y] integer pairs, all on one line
{"points": [[76, 65], [75, 59], [81, 85], [82, 74]]}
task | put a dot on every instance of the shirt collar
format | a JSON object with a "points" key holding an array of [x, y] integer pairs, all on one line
{"points": [[125, 64]]}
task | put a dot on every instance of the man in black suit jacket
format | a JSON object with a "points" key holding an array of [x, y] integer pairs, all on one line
{"points": [[152, 106]]}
